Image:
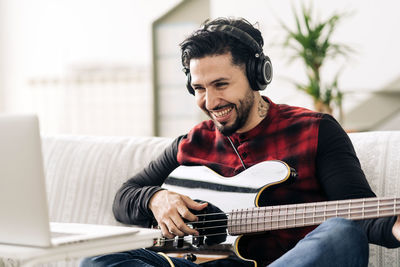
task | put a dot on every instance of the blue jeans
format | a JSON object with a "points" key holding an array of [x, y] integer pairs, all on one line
{"points": [[336, 242]]}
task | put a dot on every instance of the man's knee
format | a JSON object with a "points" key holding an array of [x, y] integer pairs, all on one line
{"points": [[115, 259], [337, 228], [342, 232], [137, 257], [91, 262]]}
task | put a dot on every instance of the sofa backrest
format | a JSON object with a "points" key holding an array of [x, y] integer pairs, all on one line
{"points": [[83, 173], [379, 154]]}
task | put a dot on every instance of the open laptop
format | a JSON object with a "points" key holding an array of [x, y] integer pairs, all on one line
{"points": [[23, 201]]}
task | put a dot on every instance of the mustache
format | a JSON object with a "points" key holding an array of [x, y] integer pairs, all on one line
{"points": [[222, 107]]}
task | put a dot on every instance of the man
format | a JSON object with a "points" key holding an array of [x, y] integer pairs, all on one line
{"points": [[225, 68]]}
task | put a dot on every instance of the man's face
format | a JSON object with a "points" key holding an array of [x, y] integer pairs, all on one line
{"points": [[223, 92]]}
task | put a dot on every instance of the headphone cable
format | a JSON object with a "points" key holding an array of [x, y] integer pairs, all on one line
{"points": [[237, 153]]}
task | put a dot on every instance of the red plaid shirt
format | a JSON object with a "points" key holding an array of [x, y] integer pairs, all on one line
{"points": [[289, 134]]}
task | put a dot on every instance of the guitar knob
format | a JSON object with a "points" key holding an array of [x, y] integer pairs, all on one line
{"points": [[190, 257], [293, 173], [178, 242]]}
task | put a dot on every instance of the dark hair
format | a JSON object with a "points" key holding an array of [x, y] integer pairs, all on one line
{"points": [[203, 43]]}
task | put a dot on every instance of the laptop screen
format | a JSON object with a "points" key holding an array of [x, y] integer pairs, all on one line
{"points": [[23, 201]]}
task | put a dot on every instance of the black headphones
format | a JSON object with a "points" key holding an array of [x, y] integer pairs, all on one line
{"points": [[258, 68]]}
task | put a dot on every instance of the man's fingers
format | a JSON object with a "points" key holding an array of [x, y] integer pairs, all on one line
{"points": [[171, 228], [194, 205], [165, 232], [170, 209], [185, 213], [180, 226]]}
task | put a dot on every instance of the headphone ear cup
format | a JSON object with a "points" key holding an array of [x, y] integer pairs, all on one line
{"points": [[251, 74], [188, 83], [259, 72], [263, 72], [266, 70]]}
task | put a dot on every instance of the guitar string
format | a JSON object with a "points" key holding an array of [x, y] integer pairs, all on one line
{"points": [[186, 237], [225, 232], [322, 214], [302, 209], [239, 225], [390, 211]]}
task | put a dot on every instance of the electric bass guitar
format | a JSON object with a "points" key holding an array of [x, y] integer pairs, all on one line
{"points": [[234, 196]]}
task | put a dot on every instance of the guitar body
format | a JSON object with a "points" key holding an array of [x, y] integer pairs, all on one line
{"points": [[241, 191], [227, 193]]}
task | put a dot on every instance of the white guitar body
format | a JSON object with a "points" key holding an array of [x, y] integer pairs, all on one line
{"points": [[228, 193]]}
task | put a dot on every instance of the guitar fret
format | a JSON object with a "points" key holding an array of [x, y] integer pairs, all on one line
{"points": [[314, 213], [238, 221], [264, 221], [244, 221], [248, 225], [258, 220], [254, 219], [270, 219], [337, 207], [286, 216], [379, 206], [363, 209], [349, 209], [233, 222], [273, 212], [237, 230]]}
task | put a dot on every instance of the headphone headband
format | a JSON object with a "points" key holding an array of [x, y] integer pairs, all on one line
{"points": [[238, 34]]}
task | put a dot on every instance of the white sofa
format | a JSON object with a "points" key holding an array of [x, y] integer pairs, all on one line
{"points": [[83, 174]]}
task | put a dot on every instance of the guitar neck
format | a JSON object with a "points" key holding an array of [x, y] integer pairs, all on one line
{"points": [[261, 219]]}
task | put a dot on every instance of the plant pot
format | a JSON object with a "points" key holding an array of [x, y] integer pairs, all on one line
{"points": [[322, 107]]}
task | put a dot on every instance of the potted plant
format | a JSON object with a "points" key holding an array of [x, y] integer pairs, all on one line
{"points": [[311, 42]]}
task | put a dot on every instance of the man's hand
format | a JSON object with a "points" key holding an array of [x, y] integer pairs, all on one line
{"points": [[169, 209], [396, 228]]}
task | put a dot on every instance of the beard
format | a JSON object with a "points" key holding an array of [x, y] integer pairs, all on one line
{"points": [[242, 111]]}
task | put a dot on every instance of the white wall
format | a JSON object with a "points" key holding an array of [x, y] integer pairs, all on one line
{"points": [[2, 62], [54, 40], [371, 30]]}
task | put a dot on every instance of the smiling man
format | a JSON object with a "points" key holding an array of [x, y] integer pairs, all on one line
{"points": [[225, 69]]}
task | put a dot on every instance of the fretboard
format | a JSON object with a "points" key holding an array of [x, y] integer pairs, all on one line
{"points": [[261, 219]]}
